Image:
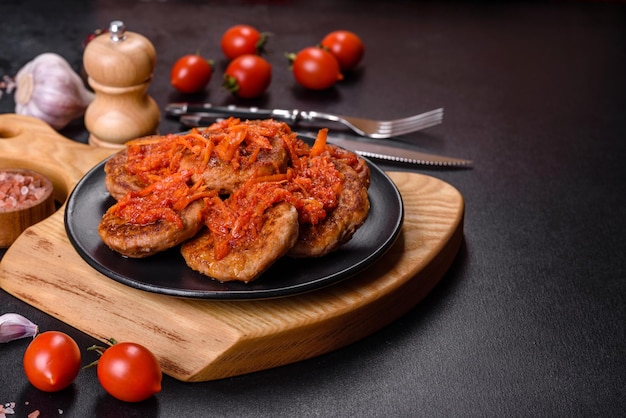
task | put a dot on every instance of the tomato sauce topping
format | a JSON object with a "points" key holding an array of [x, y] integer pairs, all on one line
{"points": [[162, 200], [311, 184]]}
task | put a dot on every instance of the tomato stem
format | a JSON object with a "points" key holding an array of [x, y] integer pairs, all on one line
{"points": [[92, 364], [291, 57], [230, 83], [100, 350], [262, 42]]}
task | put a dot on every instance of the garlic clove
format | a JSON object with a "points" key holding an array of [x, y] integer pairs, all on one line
{"points": [[14, 326], [49, 89]]}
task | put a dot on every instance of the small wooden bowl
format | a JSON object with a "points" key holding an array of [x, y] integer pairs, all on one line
{"points": [[15, 218]]}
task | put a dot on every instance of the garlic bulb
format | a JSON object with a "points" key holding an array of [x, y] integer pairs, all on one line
{"points": [[14, 326], [49, 89]]}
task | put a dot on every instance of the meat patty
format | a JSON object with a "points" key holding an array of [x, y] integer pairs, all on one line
{"points": [[117, 179], [138, 241], [227, 177], [341, 223], [236, 195], [354, 160], [245, 263], [220, 175]]}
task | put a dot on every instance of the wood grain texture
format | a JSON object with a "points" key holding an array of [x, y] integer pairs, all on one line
{"points": [[198, 340], [27, 142]]}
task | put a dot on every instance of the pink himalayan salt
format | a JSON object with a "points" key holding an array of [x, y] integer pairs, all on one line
{"points": [[17, 189]]}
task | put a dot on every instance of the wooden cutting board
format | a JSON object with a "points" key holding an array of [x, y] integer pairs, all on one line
{"points": [[199, 340]]}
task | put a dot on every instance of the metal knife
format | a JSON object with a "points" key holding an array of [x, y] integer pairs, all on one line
{"points": [[391, 153], [180, 109]]}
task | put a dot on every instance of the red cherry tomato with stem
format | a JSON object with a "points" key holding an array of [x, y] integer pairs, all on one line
{"points": [[248, 76], [52, 361], [346, 46], [129, 372], [191, 73], [242, 39], [315, 68]]}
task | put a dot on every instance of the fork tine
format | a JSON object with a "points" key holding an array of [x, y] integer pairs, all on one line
{"points": [[433, 114], [409, 130], [410, 124], [413, 120], [417, 125]]}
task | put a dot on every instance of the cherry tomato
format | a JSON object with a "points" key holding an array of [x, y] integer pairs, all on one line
{"points": [[248, 76], [315, 68], [346, 46], [242, 39], [129, 372], [52, 361], [191, 73]]}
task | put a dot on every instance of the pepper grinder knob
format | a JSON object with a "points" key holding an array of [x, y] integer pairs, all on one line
{"points": [[117, 29], [119, 69]]}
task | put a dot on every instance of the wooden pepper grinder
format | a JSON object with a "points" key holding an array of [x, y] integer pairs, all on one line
{"points": [[119, 68]]}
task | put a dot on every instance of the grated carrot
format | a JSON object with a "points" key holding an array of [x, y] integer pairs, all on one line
{"points": [[311, 183], [319, 146]]}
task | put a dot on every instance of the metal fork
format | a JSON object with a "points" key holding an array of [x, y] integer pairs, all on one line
{"points": [[193, 115], [382, 128]]}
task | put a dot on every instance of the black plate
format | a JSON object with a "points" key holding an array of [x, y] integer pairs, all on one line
{"points": [[167, 273]]}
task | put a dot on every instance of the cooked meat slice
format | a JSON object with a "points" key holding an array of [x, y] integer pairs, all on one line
{"points": [[247, 261], [143, 162], [138, 241], [354, 160], [259, 190], [227, 177], [340, 224], [222, 175], [155, 218], [117, 179]]}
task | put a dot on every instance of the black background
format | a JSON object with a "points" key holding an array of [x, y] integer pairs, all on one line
{"points": [[529, 320]]}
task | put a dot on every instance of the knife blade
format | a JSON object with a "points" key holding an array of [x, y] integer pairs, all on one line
{"points": [[200, 109], [390, 152]]}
